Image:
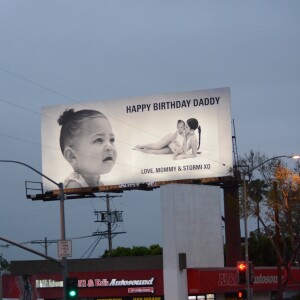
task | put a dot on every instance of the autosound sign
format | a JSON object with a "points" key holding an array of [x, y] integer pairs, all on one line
{"points": [[137, 140]]}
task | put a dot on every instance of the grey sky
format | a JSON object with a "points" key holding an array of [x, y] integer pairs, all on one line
{"points": [[57, 52]]}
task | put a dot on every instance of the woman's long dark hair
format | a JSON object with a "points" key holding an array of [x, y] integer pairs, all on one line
{"points": [[199, 137], [193, 124]]}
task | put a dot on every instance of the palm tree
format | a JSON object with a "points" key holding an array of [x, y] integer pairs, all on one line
{"points": [[257, 191]]}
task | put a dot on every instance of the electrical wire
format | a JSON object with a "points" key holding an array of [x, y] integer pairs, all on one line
{"points": [[92, 247], [42, 86]]}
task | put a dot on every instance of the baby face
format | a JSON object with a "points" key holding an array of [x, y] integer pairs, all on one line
{"points": [[96, 152], [180, 127]]}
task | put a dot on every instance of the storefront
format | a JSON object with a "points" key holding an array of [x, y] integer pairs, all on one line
{"points": [[224, 281], [121, 285], [139, 278]]}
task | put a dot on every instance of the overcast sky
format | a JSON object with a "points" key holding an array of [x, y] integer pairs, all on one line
{"points": [[60, 52]]}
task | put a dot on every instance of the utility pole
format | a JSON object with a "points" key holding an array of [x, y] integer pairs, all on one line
{"points": [[62, 214], [31, 250], [44, 243], [109, 237], [109, 217]]}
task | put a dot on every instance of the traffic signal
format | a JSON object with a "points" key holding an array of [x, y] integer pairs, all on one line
{"points": [[72, 288], [242, 294], [242, 269]]}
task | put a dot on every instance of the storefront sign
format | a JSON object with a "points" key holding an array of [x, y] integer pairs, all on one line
{"points": [[113, 282], [225, 279], [48, 283], [141, 290], [108, 285]]}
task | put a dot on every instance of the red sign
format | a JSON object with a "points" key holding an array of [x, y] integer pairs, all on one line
{"points": [[139, 284], [221, 280]]}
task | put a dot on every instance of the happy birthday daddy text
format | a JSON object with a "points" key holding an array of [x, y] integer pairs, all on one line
{"points": [[172, 104]]}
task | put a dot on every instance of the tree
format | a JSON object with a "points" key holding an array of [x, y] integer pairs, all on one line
{"points": [[4, 264], [261, 251], [274, 198], [134, 251], [257, 191], [282, 222], [256, 188]]}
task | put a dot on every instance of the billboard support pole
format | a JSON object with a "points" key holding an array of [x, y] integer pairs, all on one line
{"points": [[109, 237], [62, 215]]}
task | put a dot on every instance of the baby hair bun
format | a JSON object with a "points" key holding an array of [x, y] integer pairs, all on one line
{"points": [[67, 115]]}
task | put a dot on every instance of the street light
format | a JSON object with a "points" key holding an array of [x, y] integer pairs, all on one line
{"points": [[62, 214], [245, 199]]}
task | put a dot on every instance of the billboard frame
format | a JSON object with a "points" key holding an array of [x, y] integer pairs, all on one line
{"points": [[138, 169]]}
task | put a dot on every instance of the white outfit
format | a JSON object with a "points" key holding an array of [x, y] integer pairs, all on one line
{"points": [[77, 178], [178, 142], [74, 176], [189, 149]]}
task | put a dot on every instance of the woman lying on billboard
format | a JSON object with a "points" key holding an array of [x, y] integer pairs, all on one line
{"points": [[183, 143]]}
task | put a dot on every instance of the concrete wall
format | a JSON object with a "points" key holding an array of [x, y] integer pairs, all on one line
{"points": [[191, 219]]}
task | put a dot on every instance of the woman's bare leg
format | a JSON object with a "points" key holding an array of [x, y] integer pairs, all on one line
{"points": [[163, 143], [165, 150]]}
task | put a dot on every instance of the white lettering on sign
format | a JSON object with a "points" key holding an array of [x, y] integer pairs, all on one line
{"points": [[90, 283], [136, 290], [114, 282], [122, 282], [48, 283]]}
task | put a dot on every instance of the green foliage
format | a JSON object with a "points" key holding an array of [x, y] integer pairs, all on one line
{"points": [[261, 250], [4, 264], [257, 190], [134, 251], [155, 249], [276, 199]]}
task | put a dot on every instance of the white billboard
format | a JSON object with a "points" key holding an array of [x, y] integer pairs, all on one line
{"points": [[136, 140]]}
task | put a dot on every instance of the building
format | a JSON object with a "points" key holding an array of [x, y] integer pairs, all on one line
{"points": [[131, 278]]}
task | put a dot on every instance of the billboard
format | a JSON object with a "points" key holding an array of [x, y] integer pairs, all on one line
{"points": [[156, 138]]}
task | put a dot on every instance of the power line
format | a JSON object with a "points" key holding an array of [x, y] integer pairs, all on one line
{"points": [[62, 95], [36, 84], [42, 86], [52, 241]]}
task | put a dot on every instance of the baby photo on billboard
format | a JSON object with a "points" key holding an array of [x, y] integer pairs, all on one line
{"points": [[87, 143], [142, 139], [183, 143]]}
